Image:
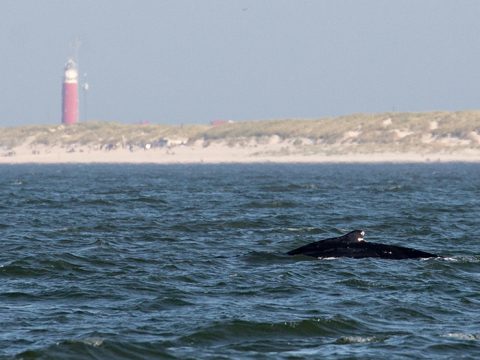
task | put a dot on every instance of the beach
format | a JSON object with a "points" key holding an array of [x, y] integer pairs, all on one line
{"points": [[220, 152]]}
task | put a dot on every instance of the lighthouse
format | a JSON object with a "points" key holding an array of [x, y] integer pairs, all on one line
{"points": [[70, 93]]}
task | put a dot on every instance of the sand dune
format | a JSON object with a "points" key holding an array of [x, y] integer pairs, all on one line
{"points": [[385, 137]]}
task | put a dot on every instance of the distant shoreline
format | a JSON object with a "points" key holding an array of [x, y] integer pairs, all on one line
{"points": [[221, 154], [358, 138]]}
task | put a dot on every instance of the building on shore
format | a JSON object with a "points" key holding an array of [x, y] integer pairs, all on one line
{"points": [[70, 100]]}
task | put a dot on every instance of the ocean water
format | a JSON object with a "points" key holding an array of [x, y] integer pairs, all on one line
{"points": [[187, 262]]}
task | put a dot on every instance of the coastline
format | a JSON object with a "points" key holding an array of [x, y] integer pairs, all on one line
{"points": [[357, 138], [220, 153]]}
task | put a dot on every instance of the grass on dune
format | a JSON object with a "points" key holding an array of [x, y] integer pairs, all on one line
{"points": [[382, 132]]}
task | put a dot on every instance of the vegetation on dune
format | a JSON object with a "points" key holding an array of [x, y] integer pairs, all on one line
{"points": [[95, 133], [398, 132]]}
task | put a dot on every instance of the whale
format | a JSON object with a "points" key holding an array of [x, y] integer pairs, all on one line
{"points": [[353, 245]]}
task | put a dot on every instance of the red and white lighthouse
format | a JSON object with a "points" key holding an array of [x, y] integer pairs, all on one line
{"points": [[70, 93]]}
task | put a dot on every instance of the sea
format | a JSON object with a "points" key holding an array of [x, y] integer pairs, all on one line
{"points": [[188, 261]]}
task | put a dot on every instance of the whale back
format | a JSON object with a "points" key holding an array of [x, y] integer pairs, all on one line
{"points": [[331, 243], [352, 245]]}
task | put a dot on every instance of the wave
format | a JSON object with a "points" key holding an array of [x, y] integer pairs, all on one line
{"points": [[464, 336], [99, 348], [229, 338], [271, 204], [265, 257], [240, 330], [33, 266]]}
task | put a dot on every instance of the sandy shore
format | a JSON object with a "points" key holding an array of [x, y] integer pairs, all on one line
{"points": [[218, 153]]}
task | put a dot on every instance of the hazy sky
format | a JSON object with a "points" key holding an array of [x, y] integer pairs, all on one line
{"points": [[193, 61]]}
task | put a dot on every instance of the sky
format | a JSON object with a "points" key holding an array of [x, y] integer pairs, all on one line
{"points": [[194, 61]]}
